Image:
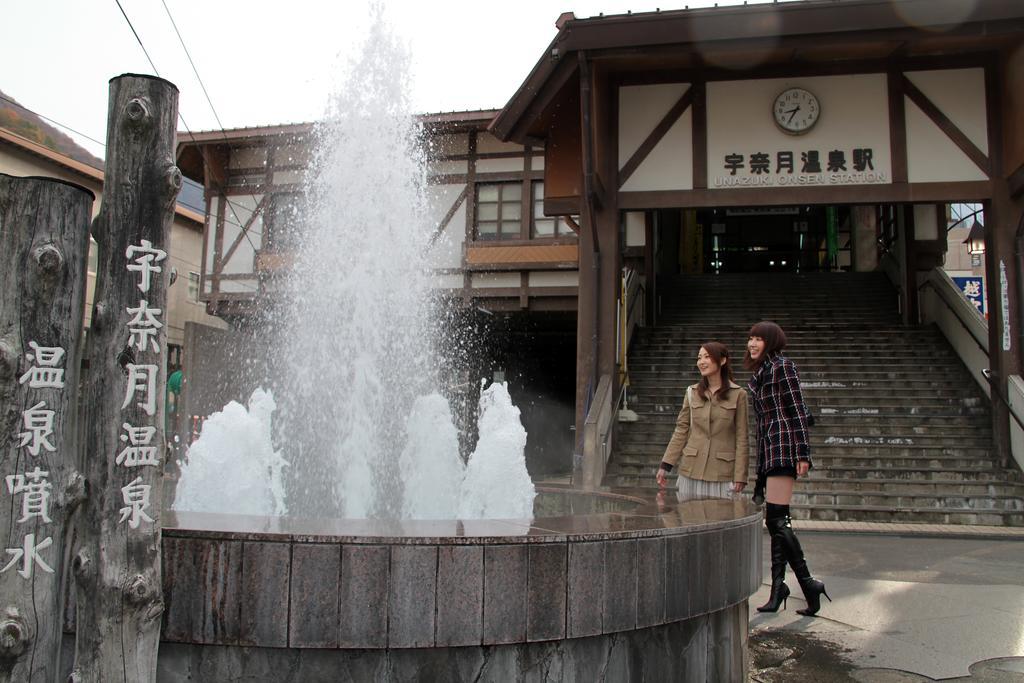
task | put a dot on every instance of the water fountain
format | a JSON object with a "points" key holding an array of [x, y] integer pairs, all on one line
{"points": [[395, 561]]}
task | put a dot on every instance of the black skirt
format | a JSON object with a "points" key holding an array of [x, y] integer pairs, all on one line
{"points": [[781, 471]]}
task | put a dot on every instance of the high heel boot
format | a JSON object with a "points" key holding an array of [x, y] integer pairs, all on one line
{"points": [[780, 591], [813, 588]]}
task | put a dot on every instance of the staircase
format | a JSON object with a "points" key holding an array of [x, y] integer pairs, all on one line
{"points": [[902, 433]]}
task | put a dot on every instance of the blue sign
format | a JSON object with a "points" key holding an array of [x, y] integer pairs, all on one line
{"points": [[974, 289]]}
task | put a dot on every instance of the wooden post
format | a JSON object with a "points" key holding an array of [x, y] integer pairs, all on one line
{"points": [[44, 230], [116, 562]]}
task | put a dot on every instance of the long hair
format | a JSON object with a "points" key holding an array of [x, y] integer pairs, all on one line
{"points": [[774, 342], [719, 353]]}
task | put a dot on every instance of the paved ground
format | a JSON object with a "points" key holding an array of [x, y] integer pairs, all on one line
{"points": [[905, 609]]}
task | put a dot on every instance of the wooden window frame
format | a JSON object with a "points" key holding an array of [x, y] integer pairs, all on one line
{"points": [[500, 235]]}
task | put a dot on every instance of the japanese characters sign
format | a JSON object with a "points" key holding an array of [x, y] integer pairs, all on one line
{"points": [[973, 287], [140, 446], [800, 168], [30, 490], [849, 145]]}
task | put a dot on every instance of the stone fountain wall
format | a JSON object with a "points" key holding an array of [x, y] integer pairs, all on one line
{"points": [[658, 593]]}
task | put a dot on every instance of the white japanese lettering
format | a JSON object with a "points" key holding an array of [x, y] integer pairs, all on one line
{"points": [[141, 377], [144, 326], [39, 425], [139, 452], [145, 263], [136, 500], [35, 494], [28, 553], [46, 374]]}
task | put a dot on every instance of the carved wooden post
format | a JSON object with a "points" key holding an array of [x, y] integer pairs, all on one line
{"points": [[44, 244], [116, 563]]}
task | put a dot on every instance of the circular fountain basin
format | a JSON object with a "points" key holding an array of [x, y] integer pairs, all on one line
{"points": [[615, 578]]}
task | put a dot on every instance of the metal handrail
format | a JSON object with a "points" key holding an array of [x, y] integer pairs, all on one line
{"points": [[981, 345], [990, 377]]}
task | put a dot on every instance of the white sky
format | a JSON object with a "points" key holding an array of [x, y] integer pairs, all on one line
{"points": [[267, 62]]}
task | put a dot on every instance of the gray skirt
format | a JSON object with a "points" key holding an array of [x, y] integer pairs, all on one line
{"points": [[697, 488]]}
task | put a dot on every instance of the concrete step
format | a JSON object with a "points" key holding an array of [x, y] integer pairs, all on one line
{"points": [[634, 457], [876, 513], [842, 406], [828, 419]]}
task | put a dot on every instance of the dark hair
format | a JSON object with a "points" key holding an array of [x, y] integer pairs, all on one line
{"points": [[774, 342], [720, 354]]}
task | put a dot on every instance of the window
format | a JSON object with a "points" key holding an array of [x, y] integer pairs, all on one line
{"points": [[499, 211], [193, 287], [547, 226]]}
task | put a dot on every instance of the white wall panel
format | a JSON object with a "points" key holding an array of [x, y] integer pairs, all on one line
{"points": [[447, 281], [488, 144], [446, 251], [447, 167], [237, 214], [854, 114], [931, 155], [960, 95], [500, 165], [452, 143], [669, 166], [554, 278], [491, 280], [641, 108], [636, 229]]}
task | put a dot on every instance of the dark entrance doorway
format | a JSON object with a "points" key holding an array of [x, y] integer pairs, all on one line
{"points": [[783, 239]]}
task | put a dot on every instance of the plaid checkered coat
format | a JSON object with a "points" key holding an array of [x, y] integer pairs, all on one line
{"points": [[780, 414]]}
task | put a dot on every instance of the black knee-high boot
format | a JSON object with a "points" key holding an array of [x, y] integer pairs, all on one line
{"points": [[780, 591], [779, 524]]}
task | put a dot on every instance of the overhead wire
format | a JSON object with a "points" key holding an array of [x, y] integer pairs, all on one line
{"points": [[228, 202], [49, 120]]}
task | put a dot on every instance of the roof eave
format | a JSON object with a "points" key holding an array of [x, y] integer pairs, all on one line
{"points": [[736, 23]]}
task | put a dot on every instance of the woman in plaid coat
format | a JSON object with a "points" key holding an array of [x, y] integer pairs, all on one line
{"points": [[783, 454]]}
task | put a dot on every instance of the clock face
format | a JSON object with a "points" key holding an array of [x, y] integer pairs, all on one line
{"points": [[796, 110]]}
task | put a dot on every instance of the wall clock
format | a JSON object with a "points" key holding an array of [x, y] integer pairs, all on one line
{"points": [[796, 110]]}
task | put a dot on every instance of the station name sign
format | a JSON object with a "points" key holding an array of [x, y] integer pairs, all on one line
{"points": [[803, 169]]}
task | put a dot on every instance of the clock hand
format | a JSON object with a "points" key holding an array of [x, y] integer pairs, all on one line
{"points": [[792, 112]]}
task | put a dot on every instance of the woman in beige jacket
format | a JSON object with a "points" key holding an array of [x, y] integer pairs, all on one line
{"points": [[711, 431]]}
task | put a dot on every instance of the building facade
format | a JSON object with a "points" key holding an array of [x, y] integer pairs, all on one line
{"points": [[820, 136], [22, 157]]}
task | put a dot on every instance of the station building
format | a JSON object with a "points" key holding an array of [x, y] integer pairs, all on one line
{"points": [[852, 169]]}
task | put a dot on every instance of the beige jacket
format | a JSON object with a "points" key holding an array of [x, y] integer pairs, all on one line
{"points": [[713, 445]]}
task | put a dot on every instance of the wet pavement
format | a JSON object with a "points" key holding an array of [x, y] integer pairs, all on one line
{"points": [[905, 609]]}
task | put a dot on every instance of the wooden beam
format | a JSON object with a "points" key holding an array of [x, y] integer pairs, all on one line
{"points": [[700, 134], [951, 130], [973, 191], [897, 127], [243, 234], [659, 132], [448, 216]]}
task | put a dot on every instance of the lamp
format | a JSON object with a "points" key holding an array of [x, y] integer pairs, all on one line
{"points": [[976, 239]]}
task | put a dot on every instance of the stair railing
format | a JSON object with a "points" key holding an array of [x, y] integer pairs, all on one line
{"points": [[942, 303], [958, 319], [597, 434], [629, 315]]}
